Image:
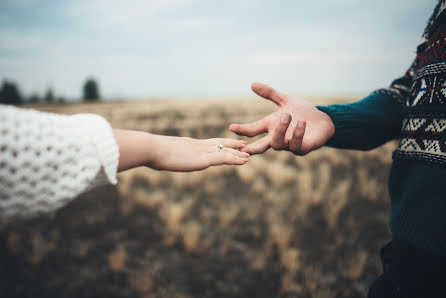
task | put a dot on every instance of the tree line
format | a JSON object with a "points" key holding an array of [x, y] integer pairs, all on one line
{"points": [[10, 94]]}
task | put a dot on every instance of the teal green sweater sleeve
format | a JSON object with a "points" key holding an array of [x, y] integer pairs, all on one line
{"points": [[365, 124]]}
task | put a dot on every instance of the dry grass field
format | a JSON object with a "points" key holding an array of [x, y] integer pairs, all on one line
{"points": [[280, 226]]}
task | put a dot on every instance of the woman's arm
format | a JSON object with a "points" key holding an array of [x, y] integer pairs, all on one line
{"points": [[46, 160], [177, 154]]}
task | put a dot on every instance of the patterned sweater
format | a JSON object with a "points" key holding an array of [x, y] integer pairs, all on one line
{"points": [[412, 109]]}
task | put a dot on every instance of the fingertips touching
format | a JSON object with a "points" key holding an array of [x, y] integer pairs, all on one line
{"points": [[258, 146], [241, 144], [227, 157], [238, 153], [232, 159], [241, 161], [231, 143]]}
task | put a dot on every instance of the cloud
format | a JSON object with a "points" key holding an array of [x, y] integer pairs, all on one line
{"points": [[189, 47]]}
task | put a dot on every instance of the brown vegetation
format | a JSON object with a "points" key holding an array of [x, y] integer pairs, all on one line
{"points": [[280, 226]]}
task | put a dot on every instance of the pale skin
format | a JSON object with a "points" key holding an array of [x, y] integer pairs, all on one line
{"points": [[297, 126], [178, 154]]}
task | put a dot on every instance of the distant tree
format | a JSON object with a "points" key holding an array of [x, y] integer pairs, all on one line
{"points": [[61, 99], [49, 95], [91, 90], [34, 98], [10, 93]]}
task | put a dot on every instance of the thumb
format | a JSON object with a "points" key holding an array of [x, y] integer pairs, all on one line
{"points": [[269, 92]]}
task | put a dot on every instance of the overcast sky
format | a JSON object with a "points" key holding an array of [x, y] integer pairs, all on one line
{"points": [[147, 48]]}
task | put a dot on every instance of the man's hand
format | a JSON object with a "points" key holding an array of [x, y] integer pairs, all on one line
{"points": [[297, 126]]}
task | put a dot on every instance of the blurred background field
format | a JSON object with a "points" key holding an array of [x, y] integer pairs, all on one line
{"points": [[280, 226]]}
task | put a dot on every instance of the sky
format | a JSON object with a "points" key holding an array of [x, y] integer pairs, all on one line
{"points": [[202, 48]]}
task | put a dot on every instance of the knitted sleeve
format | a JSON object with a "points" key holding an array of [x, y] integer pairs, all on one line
{"points": [[365, 124], [46, 160]]}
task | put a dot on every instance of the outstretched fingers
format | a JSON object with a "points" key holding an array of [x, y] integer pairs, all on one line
{"points": [[237, 153], [228, 143], [268, 92], [226, 151], [249, 129], [258, 146], [229, 157]]}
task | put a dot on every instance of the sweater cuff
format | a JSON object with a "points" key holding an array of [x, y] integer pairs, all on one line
{"points": [[365, 124], [107, 150], [343, 122]]}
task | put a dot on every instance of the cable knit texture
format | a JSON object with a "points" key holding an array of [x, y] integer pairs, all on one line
{"points": [[46, 160]]}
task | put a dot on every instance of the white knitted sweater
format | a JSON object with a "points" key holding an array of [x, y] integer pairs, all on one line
{"points": [[46, 160]]}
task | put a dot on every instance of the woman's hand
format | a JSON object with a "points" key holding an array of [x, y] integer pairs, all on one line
{"points": [[177, 154], [181, 154]]}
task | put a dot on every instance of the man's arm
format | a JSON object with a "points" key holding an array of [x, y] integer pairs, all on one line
{"points": [[300, 127], [365, 124]]}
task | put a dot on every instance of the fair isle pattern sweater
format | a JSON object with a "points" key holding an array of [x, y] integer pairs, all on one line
{"points": [[413, 110], [422, 91]]}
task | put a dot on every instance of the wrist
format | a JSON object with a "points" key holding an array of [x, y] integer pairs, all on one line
{"points": [[329, 125], [154, 150], [135, 147]]}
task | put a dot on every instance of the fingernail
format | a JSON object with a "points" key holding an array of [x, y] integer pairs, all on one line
{"points": [[300, 123], [246, 154], [285, 118]]}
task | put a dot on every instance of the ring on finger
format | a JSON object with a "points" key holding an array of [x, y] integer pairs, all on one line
{"points": [[220, 147]]}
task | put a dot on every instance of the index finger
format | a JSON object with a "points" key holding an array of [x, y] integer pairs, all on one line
{"points": [[249, 129], [258, 146]]}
